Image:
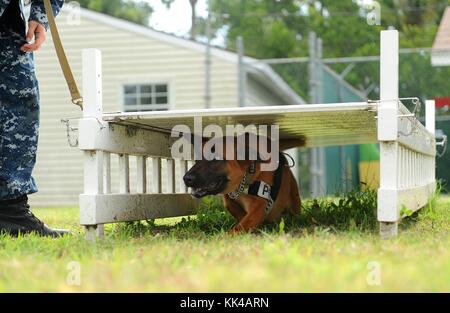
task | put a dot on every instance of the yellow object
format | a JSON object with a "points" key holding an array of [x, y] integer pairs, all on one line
{"points": [[77, 99], [369, 174]]}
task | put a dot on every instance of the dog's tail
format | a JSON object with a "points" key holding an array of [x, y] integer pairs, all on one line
{"points": [[286, 144]]}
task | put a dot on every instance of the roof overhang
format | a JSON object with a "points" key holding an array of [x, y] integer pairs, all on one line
{"points": [[440, 57], [266, 76], [440, 54]]}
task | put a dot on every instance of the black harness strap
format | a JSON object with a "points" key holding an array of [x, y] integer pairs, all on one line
{"points": [[264, 190]]}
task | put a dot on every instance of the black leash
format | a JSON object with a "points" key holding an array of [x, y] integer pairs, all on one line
{"points": [[290, 157]]}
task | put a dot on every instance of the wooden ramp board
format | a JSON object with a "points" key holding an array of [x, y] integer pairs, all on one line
{"points": [[319, 124]]}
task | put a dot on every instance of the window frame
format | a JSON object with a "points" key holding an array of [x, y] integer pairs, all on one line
{"points": [[146, 107]]}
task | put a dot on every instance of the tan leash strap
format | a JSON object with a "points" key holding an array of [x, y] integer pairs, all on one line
{"points": [[71, 83]]}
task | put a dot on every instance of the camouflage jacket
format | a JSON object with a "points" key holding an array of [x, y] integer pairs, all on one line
{"points": [[37, 11]]}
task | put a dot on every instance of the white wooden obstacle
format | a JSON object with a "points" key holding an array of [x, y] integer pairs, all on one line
{"points": [[407, 148], [407, 161]]}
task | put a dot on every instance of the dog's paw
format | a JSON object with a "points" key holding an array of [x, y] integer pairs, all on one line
{"points": [[235, 230], [238, 229]]}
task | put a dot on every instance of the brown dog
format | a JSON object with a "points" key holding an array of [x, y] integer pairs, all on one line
{"points": [[248, 191]]}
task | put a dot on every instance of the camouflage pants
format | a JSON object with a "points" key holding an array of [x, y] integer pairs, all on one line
{"points": [[19, 117]]}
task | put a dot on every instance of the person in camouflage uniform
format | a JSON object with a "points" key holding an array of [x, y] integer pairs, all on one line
{"points": [[19, 113]]}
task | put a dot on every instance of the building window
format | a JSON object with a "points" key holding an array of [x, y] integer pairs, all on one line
{"points": [[145, 97]]}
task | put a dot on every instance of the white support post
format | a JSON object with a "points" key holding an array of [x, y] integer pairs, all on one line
{"points": [[388, 109], [92, 83], [430, 116], [93, 172], [107, 172], [388, 214], [141, 174], [183, 169], [124, 174], [156, 175], [430, 124], [93, 160], [171, 176]]}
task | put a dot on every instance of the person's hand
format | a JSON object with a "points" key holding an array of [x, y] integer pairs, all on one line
{"points": [[36, 30]]}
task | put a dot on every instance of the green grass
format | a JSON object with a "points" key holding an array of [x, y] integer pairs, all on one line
{"points": [[331, 246]]}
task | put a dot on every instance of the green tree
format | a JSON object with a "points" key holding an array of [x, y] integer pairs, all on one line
{"points": [[342, 25], [273, 29], [134, 11]]}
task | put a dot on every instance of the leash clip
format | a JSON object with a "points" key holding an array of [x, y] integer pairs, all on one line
{"points": [[79, 102]]}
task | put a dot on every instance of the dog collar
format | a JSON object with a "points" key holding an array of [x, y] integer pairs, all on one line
{"points": [[259, 188], [240, 189], [243, 184]]}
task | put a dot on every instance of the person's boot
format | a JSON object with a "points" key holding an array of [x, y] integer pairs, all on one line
{"points": [[16, 217]]}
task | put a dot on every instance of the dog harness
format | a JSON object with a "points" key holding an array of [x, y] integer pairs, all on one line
{"points": [[260, 188]]}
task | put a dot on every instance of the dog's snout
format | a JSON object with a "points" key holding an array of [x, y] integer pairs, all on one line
{"points": [[189, 179]]}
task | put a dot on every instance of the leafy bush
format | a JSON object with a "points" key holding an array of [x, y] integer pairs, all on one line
{"points": [[211, 217]]}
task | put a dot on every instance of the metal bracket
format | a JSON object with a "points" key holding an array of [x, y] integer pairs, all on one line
{"points": [[417, 108], [443, 144], [415, 100], [71, 139]]}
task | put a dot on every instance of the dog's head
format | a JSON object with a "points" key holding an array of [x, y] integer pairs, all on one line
{"points": [[222, 170], [225, 160]]}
